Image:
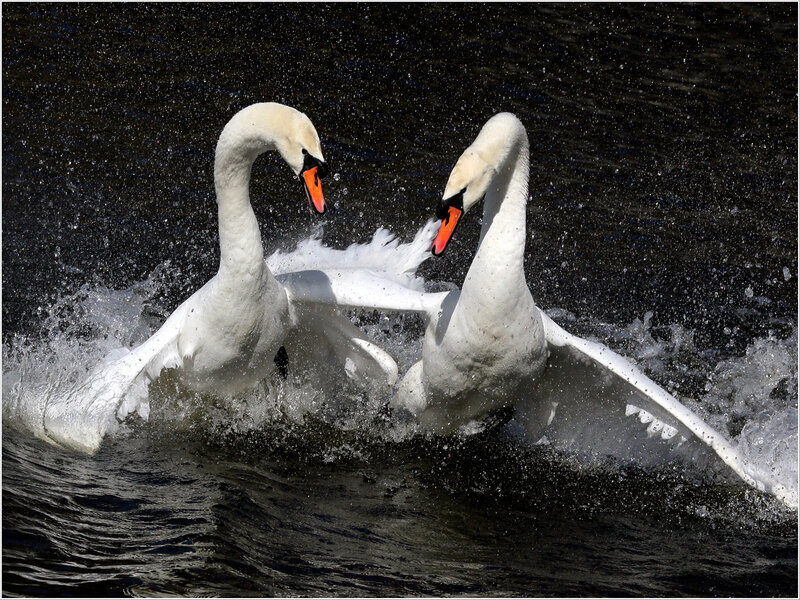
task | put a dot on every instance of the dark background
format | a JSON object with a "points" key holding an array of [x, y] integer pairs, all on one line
{"points": [[663, 142]]}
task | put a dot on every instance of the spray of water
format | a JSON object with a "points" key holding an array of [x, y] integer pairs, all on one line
{"points": [[752, 398]]}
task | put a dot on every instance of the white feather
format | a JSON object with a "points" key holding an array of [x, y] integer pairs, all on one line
{"points": [[384, 256]]}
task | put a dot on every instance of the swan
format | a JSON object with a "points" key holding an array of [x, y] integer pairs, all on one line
{"points": [[488, 346], [226, 336]]}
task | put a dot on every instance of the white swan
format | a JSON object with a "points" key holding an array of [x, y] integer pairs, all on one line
{"points": [[489, 346], [225, 337]]}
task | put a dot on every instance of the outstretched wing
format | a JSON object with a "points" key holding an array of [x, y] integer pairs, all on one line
{"points": [[378, 275], [81, 418], [314, 297], [585, 378], [357, 288]]}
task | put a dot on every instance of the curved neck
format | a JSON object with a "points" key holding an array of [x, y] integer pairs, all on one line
{"points": [[498, 263], [239, 236], [504, 206]]}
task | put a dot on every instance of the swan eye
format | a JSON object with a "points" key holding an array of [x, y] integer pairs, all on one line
{"points": [[456, 201], [310, 161], [304, 151]]}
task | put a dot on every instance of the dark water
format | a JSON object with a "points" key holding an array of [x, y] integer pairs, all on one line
{"points": [[663, 179]]}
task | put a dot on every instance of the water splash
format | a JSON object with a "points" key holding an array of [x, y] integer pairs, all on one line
{"points": [[753, 398], [80, 332], [757, 395]]}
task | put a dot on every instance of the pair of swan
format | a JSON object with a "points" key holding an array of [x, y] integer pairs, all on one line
{"points": [[486, 346]]}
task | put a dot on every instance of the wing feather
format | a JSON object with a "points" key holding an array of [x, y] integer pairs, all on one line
{"points": [[357, 288], [81, 418], [576, 363]]}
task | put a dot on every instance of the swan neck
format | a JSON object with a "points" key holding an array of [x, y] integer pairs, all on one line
{"points": [[495, 283], [502, 239], [239, 235]]}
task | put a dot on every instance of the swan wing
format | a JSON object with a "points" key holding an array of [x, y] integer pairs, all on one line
{"points": [[380, 274], [357, 288], [383, 254], [81, 418], [326, 337], [586, 378], [322, 339]]}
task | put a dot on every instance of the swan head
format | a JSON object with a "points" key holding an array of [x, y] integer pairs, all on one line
{"points": [[298, 144], [272, 126], [473, 173]]}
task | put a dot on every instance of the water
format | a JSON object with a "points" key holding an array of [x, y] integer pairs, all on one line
{"points": [[662, 221]]}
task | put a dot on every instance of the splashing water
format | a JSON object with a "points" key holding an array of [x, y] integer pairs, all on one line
{"points": [[80, 332], [758, 394], [752, 398]]}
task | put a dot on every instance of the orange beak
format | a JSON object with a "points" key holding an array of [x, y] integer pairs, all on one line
{"points": [[446, 230], [313, 186]]}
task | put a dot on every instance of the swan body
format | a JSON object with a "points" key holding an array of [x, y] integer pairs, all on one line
{"points": [[225, 337], [489, 346], [485, 343]]}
